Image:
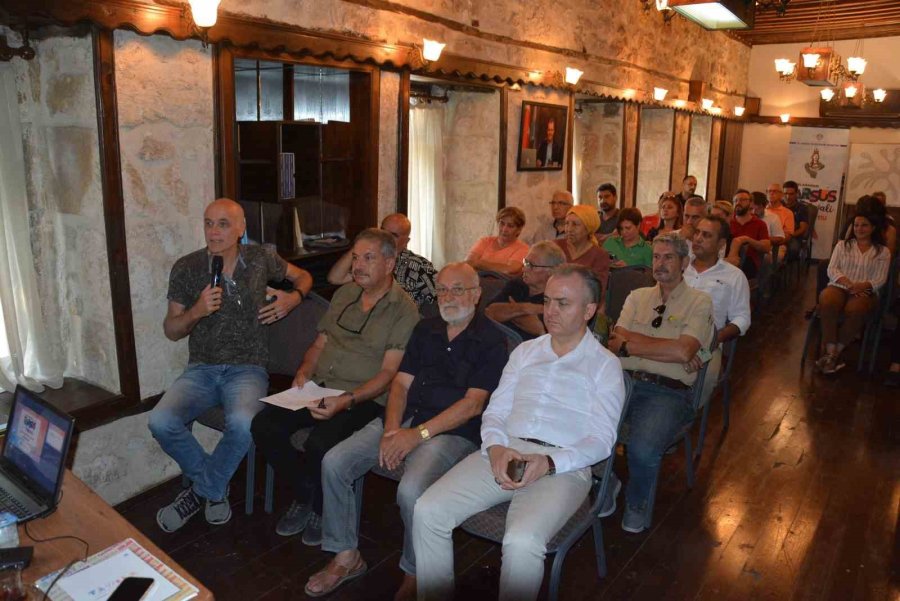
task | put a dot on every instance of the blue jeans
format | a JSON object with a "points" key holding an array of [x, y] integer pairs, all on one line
{"points": [[237, 388], [655, 415], [355, 456]]}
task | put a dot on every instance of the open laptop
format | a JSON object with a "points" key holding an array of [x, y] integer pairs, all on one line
{"points": [[529, 158], [34, 456]]}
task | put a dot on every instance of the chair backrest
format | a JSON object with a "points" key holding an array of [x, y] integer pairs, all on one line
{"points": [[697, 388], [290, 337], [491, 283], [513, 339], [427, 310], [621, 283], [812, 213]]}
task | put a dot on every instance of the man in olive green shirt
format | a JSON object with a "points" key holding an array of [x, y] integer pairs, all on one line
{"points": [[360, 344], [659, 337]]}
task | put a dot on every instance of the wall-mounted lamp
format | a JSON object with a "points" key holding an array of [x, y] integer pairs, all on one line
{"points": [[716, 110], [573, 75], [827, 94], [706, 103], [785, 117], [629, 93], [785, 69], [7, 52], [431, 50], [856, 65], [205, 12], [680, 103], [850, 90], [659, 94], [879, 94], [739, 111]]}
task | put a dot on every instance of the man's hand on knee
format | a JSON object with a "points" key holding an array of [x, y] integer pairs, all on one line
{"points": [[536, 467], [500, 457]]}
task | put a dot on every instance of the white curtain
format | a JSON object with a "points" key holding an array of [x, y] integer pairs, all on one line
{"points": [[25, 354], [426, 182], [323, 96]]}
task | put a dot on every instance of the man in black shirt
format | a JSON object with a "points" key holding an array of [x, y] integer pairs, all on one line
{"points": [[228, 356], [432, 420], [520, 305]]}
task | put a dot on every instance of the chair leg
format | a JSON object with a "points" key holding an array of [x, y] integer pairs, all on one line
{"points": [[726, 404], [599, 551], [810, 330], [270, 487], [358, 489], [703, 419], [863, 345], [689, 460], [875, 344], [251, 478]]}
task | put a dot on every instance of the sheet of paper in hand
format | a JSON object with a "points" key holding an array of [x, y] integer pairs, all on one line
{"points": [[297, 398]]}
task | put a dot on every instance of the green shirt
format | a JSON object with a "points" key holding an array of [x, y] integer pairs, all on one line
{"points": [[639, 254], [357, 340]]}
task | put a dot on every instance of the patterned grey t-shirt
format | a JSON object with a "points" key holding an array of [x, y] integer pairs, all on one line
{"points": [[415, 274], [232, 335]]}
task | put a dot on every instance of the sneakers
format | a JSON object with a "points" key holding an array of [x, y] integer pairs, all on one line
{"points": [[612, 491], [294, 519], [175, 515], [635, 519], [312, 534], [218, 512]]}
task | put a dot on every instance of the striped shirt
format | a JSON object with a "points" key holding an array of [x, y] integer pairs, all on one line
{"points": [[870, 266]]}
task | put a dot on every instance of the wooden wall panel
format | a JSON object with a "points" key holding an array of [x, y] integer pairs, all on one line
{"points": [[681, 141], [631, 135], [730, 162]]}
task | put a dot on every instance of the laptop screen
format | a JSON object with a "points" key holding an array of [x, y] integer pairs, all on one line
{"points": [[37, 440]]}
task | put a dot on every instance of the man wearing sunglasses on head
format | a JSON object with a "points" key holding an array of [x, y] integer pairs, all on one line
{"points": [[659, 333], [359, 348], [520, 304]]}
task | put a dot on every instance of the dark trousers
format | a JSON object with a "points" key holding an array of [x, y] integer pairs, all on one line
{"points": [[273, 427]]}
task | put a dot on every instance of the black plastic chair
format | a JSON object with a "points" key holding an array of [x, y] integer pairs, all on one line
{"points": [[491, 282], [490, 524], [728, 351], [622, 282]]}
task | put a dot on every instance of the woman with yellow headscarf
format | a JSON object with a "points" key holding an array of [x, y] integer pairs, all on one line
{"points": [[580, 246]]}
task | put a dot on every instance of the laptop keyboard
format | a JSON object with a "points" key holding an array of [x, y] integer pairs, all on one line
{"points": [[11, 504]]}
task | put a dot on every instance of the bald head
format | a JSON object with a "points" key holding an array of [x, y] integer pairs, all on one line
{"points": [[458, 292], [223, 226], [560, 204], [399, 226]]}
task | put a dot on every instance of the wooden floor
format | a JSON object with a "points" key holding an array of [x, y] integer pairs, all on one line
{"points": [[798, 501]]}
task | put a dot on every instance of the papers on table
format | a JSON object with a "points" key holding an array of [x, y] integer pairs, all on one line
{"points": [[297, 398]]}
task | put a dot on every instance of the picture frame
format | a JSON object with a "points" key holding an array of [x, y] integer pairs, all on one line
{"points": [[542, 137]]}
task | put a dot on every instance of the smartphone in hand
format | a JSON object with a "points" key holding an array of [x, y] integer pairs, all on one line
{"points": [[515, 469]]}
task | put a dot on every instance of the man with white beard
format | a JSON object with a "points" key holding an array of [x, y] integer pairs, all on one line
{"points": [[432, 420]]}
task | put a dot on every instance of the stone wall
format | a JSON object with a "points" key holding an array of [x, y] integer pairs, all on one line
{"points": [[387, 144], [165, 103], [617, 43], [471, 136], [598, 149], [698, 154], [654, 157], [62, 173], [531, 190]]}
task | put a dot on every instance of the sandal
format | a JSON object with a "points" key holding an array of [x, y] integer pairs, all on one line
{"points": [[334, 575]]}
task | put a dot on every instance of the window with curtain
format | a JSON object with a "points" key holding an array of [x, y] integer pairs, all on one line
{"points": [[25, 352], [698, 152], [321, 94], [599, 133], [426, 182], [654, 157]]}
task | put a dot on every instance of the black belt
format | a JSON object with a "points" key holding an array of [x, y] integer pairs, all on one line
{"points": [[540, 442], [672, 383]]}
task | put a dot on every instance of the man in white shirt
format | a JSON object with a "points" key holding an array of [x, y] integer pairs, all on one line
{"points": [[726, 285], [773, 222], [556, 408]]}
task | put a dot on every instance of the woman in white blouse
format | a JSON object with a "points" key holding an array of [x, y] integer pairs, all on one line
{"points": [[858, 268]]}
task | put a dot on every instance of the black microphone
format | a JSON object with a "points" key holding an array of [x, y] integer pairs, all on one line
{"points": [[217, 264]]}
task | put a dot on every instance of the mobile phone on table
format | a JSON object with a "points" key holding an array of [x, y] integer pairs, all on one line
{"points": [[132, 588], [515, 469]]}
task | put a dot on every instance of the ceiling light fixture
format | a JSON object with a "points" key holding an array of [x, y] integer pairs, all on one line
{"points": [[850, 90], [785, 69], [707, 103], [659, 94], [573, 75], [856, 65], [204, 12], [739, 111], [716, 14]]}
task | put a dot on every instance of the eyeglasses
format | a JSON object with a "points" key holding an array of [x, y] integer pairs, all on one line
{"points": [[529, 265], [560, 203], [366, 321], [659, 315], [455, 291]]}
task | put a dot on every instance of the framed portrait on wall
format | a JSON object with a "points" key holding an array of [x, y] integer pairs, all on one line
{"points": [[542, 136]]}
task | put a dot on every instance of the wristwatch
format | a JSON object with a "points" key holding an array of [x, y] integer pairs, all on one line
{"points": [[551, 467], [352, 400], [423, 432], [623, 349]]}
